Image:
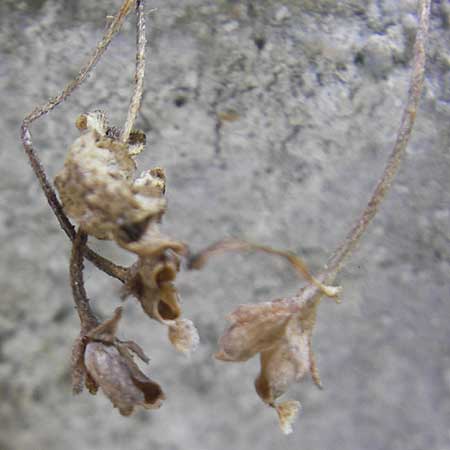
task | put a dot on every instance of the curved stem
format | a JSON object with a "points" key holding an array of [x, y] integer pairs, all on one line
{"points": [[338, 258], [136, 99], [102, 263]]}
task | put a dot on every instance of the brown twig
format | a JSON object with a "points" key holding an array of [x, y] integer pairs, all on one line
{"points": [[102, 263], [136, 98], [87, 317]]}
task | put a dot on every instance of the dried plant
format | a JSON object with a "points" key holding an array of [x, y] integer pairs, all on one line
{"points": [[98, 188]]}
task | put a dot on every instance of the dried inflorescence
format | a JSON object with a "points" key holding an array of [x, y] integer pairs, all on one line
{"points": [[100, 191]]}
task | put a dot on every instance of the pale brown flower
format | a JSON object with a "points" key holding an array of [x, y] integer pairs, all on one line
{"points": [[107, 363], [280, 331], [96, 184]]}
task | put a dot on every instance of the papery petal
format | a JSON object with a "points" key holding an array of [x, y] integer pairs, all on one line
{"points": [[106, 331], [120, 379], [255, 328], [285, 363]]}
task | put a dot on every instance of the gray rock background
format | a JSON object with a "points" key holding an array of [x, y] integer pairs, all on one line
{"points": [[318, 88]]}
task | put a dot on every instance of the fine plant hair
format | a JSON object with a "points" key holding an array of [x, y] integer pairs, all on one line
{"points": [[279, 331]]}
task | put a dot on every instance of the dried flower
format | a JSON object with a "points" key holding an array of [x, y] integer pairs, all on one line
{"points": [[280, 331], [151, 282], [96, 184], [108, 363]]}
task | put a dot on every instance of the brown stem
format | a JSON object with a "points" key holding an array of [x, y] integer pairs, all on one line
{"points": [[141, 42], [87, 317], [337, 260], [102, 263]]}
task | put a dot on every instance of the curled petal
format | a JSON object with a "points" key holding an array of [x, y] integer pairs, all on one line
{"points": [[152, 243], [255, 328], [120, 379], [183, 335], [127, 346], [150, 281]]}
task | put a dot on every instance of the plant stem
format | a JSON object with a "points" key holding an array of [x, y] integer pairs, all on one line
{"points": [[337, 260], [136, 99], [87, 317], [102, 263]]}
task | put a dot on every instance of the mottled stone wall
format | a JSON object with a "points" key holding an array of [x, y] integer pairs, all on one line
{"points": [[316, 90]]}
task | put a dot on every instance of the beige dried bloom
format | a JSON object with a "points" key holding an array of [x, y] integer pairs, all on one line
{"points": [[96, 184], [107, 363], [280, 331]]}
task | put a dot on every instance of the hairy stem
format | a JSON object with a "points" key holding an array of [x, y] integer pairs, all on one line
{"points": [[87, 317], [337, 260], [102, 263], [136, 99]]}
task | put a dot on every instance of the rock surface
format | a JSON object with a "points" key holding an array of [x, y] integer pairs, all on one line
{"points": [[314, 91]]}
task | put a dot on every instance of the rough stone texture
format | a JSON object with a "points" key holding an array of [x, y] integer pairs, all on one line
{"points": [[317, 88]]}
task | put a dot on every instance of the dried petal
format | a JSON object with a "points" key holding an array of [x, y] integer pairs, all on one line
{"points": [[150, 281], [255, 328], [184, 336], [133, 347], [120, 379], [93, 121], [151, 243], [106, 331], [287, 413], [285, 363]]}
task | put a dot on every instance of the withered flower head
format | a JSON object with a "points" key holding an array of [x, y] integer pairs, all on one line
{"points": [[108, 364], [280, 331], [151, 281], [96, 184]]}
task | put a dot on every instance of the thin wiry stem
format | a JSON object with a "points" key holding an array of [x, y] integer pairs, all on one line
{"points": [[313, 292], [102, 263], [338, 258], [136, 99], [87, 317]]}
